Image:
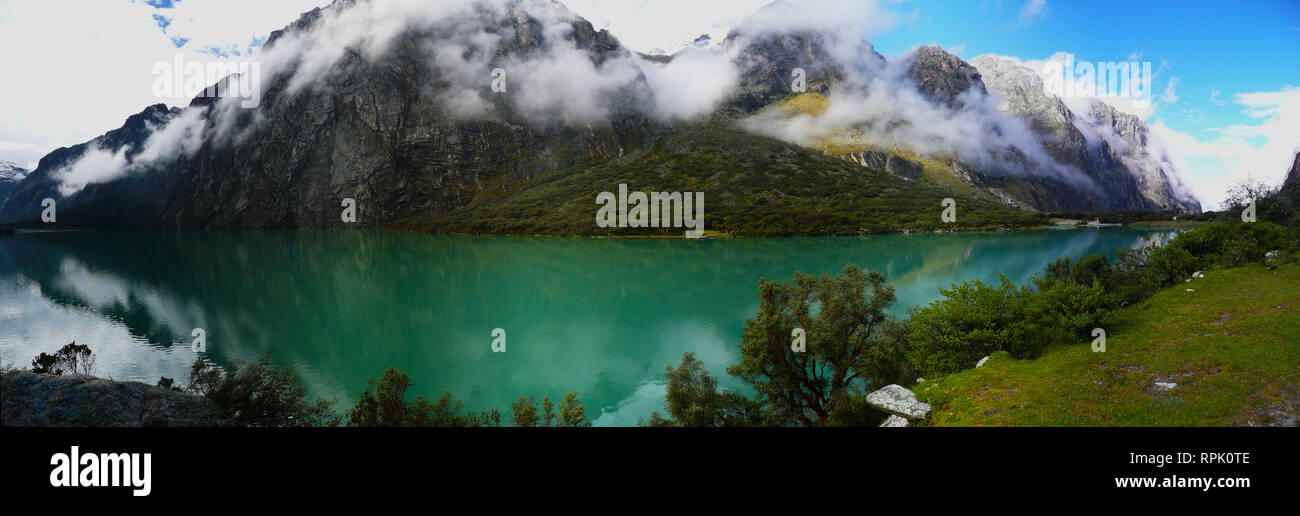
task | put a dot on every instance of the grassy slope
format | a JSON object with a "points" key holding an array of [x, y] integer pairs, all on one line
{"points": [[754, 186], [1232, 346]]}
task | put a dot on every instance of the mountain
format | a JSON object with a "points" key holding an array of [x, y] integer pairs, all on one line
{"points": [[411, 129], [1112, 148], [943, 76], [1293, 175], [381, 134], [1039, 155], [10, 175]]}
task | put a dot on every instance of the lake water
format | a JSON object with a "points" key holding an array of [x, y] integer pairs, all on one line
{"points": [[603, 317]]}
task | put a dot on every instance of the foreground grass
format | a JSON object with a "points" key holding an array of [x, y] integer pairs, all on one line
{"points": [[1232, 346]]}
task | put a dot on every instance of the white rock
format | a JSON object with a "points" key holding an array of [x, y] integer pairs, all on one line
{"points": [[897, 400], [1165, 386], [1190, 290], [981, 362], [920, 380], [894, 422]]}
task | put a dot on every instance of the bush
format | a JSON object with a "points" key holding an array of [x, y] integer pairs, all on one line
{"points": [[848, 344], [257, 394], [972, 321], [693, 400], [1233, 244], [70, 359], [1066, 311], [1139, 273]]}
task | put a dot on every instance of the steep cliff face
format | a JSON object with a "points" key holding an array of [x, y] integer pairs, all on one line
{"points": [[766, 61], [1293, 175], [412, 130], [943, 76], [1114, 149], [133, 200], [1129, 139], [381, 131], [382, 136]]}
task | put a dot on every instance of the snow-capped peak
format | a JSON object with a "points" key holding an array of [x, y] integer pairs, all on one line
{"points": [[10, 171], [708, 41]]}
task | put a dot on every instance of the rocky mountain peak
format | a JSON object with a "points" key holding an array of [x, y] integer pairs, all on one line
{"points": [[767, 60], [10, 171], [943, 76], [1110, 146]]}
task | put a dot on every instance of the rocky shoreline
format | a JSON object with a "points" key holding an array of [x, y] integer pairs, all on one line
{"points": [[40, 400]]}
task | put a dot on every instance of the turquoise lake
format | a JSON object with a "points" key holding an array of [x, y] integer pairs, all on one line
{"points": [[600, 316]]}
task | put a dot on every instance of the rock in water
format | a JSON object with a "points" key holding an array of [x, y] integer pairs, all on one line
{"points": [[899, 401]]}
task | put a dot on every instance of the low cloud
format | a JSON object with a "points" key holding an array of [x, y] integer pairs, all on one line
{"points": [[96, 165], [890, 111], [1263, 150], [693, 84]]}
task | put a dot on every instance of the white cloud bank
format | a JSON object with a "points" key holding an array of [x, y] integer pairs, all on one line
{"points": [[1263, 150]]}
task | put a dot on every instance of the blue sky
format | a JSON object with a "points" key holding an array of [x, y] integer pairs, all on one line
{"points": [[1233, 66], [1230, 47]]}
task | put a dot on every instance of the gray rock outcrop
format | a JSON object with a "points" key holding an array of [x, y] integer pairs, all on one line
{"points": [[897, 400], [1115, 149], [894, 422], [30, 399]]}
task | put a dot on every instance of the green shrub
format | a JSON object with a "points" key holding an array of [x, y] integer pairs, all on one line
{"points": [[694, 400], [258, 394], [1233, 244], [70, 359], [971, 321], [1139, 273], [1066, 311], [848, 347], [384, 404]]}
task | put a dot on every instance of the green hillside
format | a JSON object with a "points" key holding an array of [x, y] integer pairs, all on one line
{"points": [[754, 186], [1232, 346]]}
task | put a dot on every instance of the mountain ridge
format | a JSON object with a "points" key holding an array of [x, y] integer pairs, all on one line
{"points": [[388, 134]]}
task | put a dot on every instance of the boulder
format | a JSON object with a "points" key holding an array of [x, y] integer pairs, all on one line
{"points": [[31, 399], [894, 421], [897, 400]]}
